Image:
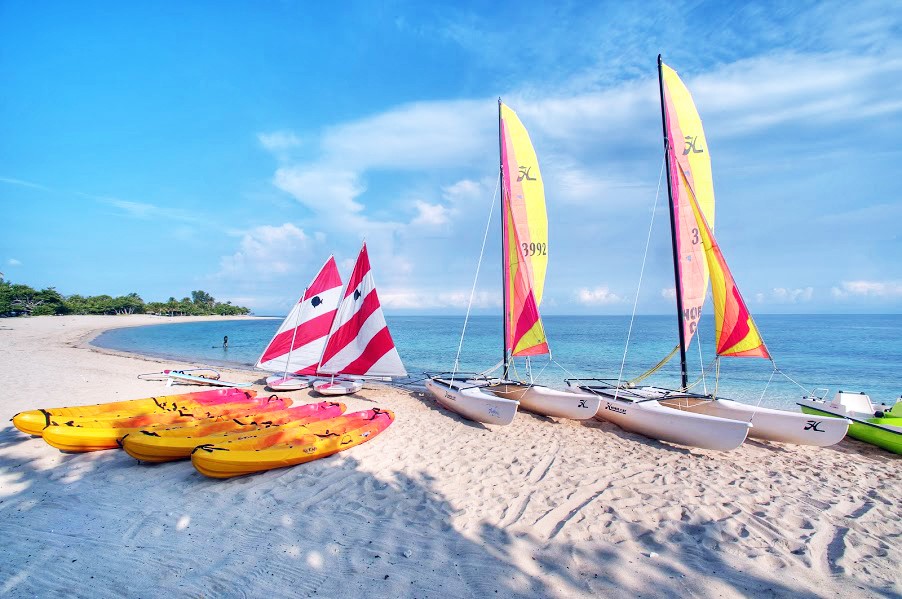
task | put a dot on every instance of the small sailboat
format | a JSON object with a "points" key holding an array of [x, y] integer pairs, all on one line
{"points": [[359, 342], [298, 344], [524, 237], [696, 419]]}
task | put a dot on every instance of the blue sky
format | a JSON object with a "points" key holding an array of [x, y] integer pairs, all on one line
{"points": [[230, 147]]}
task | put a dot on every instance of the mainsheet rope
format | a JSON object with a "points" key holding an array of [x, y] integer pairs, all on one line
{"points": [[475, 279], [641, 273]]}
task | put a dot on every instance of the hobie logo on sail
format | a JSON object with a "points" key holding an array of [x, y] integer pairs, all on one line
{"points": [[524, 174], [691, 140], [691, 316]]}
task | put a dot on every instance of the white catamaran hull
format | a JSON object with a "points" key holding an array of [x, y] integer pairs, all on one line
{"points": [[473, 403], [653, 420], [776, 425], [548, 402]]}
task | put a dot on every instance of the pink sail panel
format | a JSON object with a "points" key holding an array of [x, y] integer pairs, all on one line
{"points": [[735, 331], [360, 343], [525, 332], [691, 265], [299, 342]]}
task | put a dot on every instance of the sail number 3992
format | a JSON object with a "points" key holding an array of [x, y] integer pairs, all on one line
{"points": [[534, 249]]}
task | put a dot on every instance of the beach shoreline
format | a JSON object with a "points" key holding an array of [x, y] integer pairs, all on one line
{"points": [[434, 507]]}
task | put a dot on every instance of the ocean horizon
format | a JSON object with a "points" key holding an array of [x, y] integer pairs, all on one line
{"points": [[852, 352]]}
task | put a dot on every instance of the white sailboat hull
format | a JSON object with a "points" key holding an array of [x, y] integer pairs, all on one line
{"points": [[651, 419], [474, 403], [776, 425], [289, 383], [337, 387], [548, 402]]}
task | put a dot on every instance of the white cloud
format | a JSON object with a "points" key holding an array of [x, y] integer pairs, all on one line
{"points": [[767, 91], [876, 289], [135, 209], [322, 189], [14, 262], [277, 141], [792, 296], [22, 183], [414, 299], [415, 136], [430, 214], [597, 296], [266, 251], [668, 293]]}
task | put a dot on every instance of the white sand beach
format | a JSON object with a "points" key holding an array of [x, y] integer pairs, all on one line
{"points": [[434, 507]]}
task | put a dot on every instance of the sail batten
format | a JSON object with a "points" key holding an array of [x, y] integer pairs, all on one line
{"points": [[525, 221]]}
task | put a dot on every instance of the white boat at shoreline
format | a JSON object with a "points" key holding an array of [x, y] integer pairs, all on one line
{"points": [[702, 420], [472, 402], [524, 261], [641, 412], [546, 401]]}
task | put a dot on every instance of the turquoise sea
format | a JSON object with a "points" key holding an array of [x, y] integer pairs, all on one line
{"points": [[849, 352]]}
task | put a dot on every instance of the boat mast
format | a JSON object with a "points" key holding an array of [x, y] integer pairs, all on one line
{"points": [[294, 333], [684, 377], [504, 358]]}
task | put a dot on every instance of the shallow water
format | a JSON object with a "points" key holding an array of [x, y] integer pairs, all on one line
{"points": [[849, 352]]}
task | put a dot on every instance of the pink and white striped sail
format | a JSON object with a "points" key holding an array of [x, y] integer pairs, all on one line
{"points": [[360, 343], [299, 342]]}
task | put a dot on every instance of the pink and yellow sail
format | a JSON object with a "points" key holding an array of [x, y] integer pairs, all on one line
{"points": [[699, 255], [735, 332], [526, 238], [690, 173]]}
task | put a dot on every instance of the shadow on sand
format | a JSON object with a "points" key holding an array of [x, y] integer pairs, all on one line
{"points": [[103, 525]]}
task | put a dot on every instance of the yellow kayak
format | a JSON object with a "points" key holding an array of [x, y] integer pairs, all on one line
{"points": [[166, 444], [289, 447], [93, 435], [32, 422]]}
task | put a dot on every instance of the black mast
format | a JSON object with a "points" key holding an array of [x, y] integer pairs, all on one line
{"points": [[684, 377], [504, 358]]}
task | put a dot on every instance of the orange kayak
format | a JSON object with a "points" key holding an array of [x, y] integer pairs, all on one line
{"points": [[289, 447], [32, 422], [92, 435], [165, 444]]}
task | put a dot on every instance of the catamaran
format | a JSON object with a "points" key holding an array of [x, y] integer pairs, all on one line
{"points": [[524, 238], [295, 349], [359, 343], [680, 416]]}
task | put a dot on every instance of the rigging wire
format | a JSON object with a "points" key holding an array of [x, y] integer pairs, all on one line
{"points": [[475, 279], [641, 273]]}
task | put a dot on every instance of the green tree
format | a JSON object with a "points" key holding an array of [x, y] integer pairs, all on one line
{"points": [[204, 299]]}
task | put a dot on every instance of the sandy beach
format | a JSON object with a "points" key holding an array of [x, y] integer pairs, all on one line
{"points": [[435, 507]]}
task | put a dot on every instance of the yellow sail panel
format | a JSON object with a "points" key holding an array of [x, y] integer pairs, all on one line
{"points": [[526, 238], [735, 331], [527, 197], [690, 175]]}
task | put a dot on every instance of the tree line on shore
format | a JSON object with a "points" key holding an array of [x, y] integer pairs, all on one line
{"points": [[17, 299]]}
